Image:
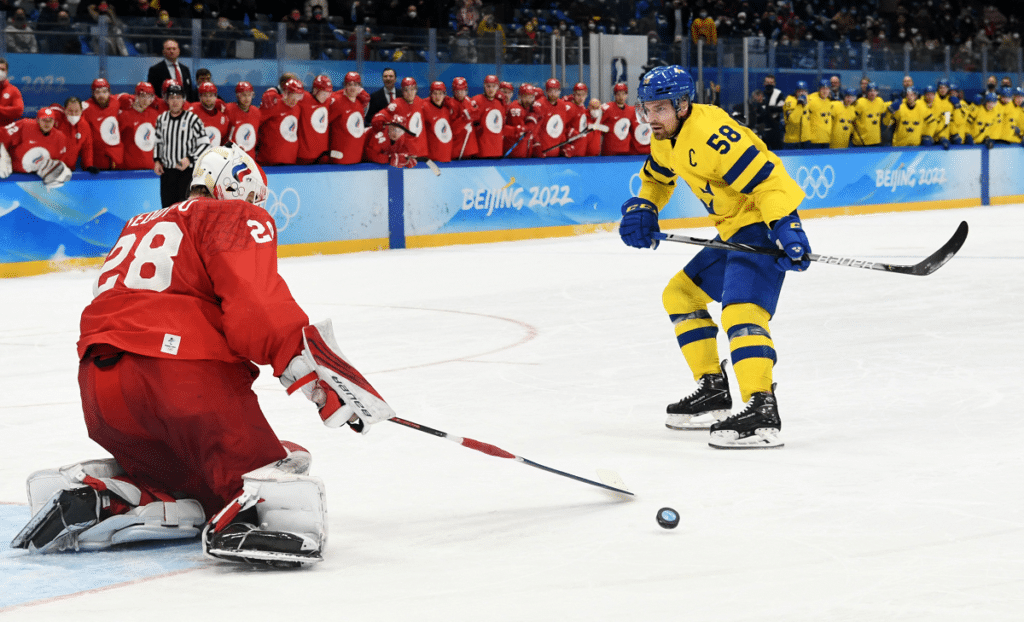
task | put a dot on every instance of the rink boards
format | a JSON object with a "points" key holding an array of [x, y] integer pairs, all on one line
{"points": [[336, 209]]}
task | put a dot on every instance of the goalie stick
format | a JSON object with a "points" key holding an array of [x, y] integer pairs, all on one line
{"points": [[491, 450], [923, 268]]}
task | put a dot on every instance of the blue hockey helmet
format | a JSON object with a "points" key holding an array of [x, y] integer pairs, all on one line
{"points": [[953, 86], [849, 92], [1006, 92], [978, 99], [944, 82], [991, 97], [872, 86], [670, 82], [929, 89], [823, 84], [801, 85]]}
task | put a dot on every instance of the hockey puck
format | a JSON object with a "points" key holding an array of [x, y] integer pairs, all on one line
{"points": [[668, 518]]}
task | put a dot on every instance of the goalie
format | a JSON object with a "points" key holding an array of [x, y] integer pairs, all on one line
{"points": [[35, 146], [187, 301]]}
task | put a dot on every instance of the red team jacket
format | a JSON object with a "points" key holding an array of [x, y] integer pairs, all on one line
{"points": [[138, 137], [348, 133], [243, 126], [313, 125], [12, 106], [107, 149], [437, 125], [190, 281], [620, 122], [279, 133], [551, 126], [215, 121], [30, 148], [465, 114], [381, 150], [413, 113], [519, 120], [489, 130], [575, 125], [79, 138]]}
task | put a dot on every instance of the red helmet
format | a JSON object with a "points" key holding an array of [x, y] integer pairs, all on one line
{"points": [[100, 83], [353, 76], [437, 85], [408, 82], [46, 113], [323, 83], [580, 87], [244, 87], [538, 92], [144, 87], [491, 79], [293, 86], [207, 87], [620, 87], [552, 83], [167, 83], [506, 86], [526, 89], [397, 120], [460, 84]]}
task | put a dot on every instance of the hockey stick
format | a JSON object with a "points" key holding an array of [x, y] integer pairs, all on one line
{"points": [[925, 267], [469, 128], [430, 163], [497, 452], [566, 142], [513, 147]]}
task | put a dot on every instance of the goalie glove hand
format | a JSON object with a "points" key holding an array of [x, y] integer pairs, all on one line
{"points": [[300, 376]]}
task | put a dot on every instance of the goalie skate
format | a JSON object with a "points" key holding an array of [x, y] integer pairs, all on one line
{"points": [[245, 543], [63, 517], [709, 404], [757, 426]]}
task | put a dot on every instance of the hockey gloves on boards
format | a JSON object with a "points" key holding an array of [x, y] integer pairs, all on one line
{"points": [[329, 380], [639, 221], [788, 234]]}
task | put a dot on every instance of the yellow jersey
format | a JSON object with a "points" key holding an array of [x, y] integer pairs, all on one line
{"points": [[945, 111], [732, 172], [910, 123], [869, 114], [842, 125], [1011, 124], [819, 114], [796, 117], [987, 123]]}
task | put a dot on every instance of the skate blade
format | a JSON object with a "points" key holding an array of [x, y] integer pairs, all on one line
{"points": [[264, 558], [703, 421], [763, 438]]}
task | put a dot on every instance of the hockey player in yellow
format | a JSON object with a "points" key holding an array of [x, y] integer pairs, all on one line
{"points": [[947, 106], [819, 114], [795, 117], [870, 112], [842, 120], [988, 121], [934, 123], [1017, 116], [909, 119], [1009, 128], [752, 200]]}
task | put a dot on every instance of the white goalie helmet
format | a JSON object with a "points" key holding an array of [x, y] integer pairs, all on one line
{"points": [[230, 173]]}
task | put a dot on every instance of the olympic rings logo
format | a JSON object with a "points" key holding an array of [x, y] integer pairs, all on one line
{"points": [[279, 208], [816, 181]]}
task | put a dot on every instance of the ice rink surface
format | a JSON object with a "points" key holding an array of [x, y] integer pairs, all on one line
{"points": [[898, 496]]}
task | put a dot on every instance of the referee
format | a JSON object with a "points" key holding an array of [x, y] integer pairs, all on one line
{"points": [[180, 139]]}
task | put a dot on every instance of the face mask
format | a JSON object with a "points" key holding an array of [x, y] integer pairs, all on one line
{"points": [[73, 119], [3, 75], [412, 14]]}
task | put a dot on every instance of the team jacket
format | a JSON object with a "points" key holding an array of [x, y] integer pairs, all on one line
{"points": [[819, 119], [490, 128], [620, 123], [215, 121], [244, 126], [196, 280], [732, 172], [437, 127], [797, 120], [909, 124], [106, 134], [30, 148], [464, 114], [869, 115], [522, 123], [347, 134], [138, 136], [382, 150], [842, 125], [278, 141], [313, 126], [552, 125], [79, 138], [413, 113]]}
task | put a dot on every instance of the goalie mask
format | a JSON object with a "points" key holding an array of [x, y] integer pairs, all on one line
{"points": [[229, 173]]}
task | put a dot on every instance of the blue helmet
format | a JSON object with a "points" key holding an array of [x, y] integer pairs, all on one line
{"points": [[849, 92], [671, 82], [801, 85], [978, 99], [872, 86], [1006, 92], [943, 82], [929, 89], [911, 91], [823, 84], [953, 86], [991, 97]]}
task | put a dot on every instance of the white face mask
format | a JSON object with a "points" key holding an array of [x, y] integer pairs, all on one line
{"points": [[73, 119], [3, 75]]}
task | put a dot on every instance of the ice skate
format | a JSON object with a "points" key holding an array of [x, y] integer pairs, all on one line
{"points": [[757, 426], [711, 402], [246, 543]]}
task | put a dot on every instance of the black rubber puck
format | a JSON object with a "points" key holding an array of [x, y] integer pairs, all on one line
{"points": [[668, 518]]}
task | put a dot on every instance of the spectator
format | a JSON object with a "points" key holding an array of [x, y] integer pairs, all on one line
{"points": [[296, 29], [463, 46], [11, 104], [180, 140], [20, 37], [412, 18], [677, 16], [321, 35], [64, 40], [169, 67], [486, 35], [468, 16], [221, 40], [380, 98], [311, 6], [113, 43]]}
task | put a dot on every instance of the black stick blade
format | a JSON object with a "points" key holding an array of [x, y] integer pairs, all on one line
{"points": [[937, 259]]}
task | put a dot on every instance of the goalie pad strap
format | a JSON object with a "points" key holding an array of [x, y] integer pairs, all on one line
{"points": [[301, 382]]}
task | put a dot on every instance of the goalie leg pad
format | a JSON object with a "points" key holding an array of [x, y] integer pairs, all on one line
{"points": [[54, 174], [291, 521]]}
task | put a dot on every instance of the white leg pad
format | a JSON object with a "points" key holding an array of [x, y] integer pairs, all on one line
{"points": [[43, 484]]}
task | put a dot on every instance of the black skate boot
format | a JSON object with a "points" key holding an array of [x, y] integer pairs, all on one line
{"points": [[757, 426], [711, 402]]}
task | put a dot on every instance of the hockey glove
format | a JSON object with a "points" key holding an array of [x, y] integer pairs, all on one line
{"points": [[54, 174], [639, 221], [989, 143], [927, 141], [945, 143], [6, 166], [788, 234], [956, 139]]}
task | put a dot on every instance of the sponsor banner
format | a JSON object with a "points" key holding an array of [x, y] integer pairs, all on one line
{"points": [[1004, 167], [84, 217]]}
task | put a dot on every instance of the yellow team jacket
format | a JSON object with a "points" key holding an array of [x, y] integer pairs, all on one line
{"points": [[797, 119], [910, 122], [1011, 122], [819, 114], [987, 123], [944, 112], [732, 172], [933, 122], [868, 118], [842, 125]]}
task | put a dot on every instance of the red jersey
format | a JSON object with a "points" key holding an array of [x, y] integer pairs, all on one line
{"points": [[380, 149], [520, 121], [594, 138], [243, 127], [196, 280], [490, 128], [620, 122], [347, 135], [551, 126], [640, 141], [138, 135], [437, 125], [106, 134], [29, 148], [79, 138], [576, 125], [465, 115], [413, 114], [215, 121], [278, 141], [313, 137], [12, 106]]}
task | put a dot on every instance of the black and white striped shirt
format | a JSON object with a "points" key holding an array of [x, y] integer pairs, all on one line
{"points": [[183, 136]]}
